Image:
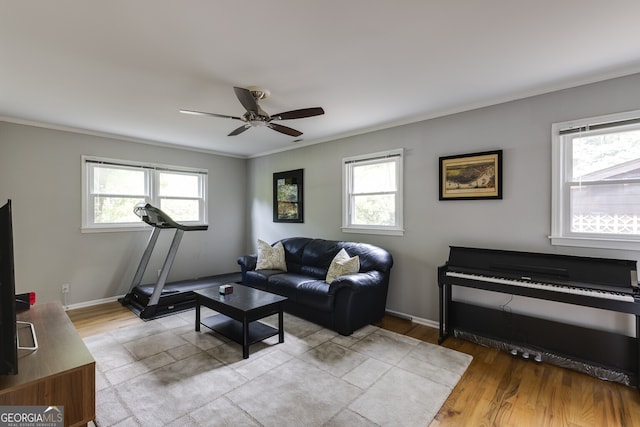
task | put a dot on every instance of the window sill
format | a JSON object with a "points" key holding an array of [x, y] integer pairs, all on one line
{"points": [[596, 242], [384, 232], [114, 229]]}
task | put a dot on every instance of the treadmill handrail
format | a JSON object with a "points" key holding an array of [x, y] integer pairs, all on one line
{"points": [[159, 219]]}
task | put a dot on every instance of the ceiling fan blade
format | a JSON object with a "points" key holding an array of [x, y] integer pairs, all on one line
{"points": [[284, 129], [203, 113], [239, 130], [298, 114], [246, 99]]}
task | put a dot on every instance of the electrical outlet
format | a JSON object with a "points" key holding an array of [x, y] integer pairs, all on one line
{"points": [[65, 288]]}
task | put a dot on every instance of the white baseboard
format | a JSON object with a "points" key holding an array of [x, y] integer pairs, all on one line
{"points": [[92, 303], [414, 319], [418, 320]]}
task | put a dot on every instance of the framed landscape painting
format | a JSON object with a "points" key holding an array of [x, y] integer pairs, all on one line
{"points": [[288, 203], [471, 176]]}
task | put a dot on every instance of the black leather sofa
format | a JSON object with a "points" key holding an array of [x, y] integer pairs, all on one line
{"points": [[347, 304]]}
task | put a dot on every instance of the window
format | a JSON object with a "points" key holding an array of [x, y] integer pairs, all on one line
{"points": [[596, 182], [111, 188], [372, 195]]}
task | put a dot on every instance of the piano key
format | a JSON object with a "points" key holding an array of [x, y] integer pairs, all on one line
{"points": [[616, 296]]}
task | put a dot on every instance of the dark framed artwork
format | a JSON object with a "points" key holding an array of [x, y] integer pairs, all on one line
{"points": [[288, 196], [471, 176]]}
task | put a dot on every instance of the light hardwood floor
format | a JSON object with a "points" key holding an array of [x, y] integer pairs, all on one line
{"points": [[496, 390]]}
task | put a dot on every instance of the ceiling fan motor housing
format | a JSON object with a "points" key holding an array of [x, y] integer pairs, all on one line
{"points": [[259, 93]]}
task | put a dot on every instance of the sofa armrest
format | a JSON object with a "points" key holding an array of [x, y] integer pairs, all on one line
{"points": [[360, 299], [248, 262], [357, 282]]}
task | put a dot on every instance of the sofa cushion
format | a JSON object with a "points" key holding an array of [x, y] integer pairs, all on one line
{"points": [[341, 265], [286, 284], [371, 257], [317, 257], [302, 289], [293, 250], [271, 257], [258, 278]]}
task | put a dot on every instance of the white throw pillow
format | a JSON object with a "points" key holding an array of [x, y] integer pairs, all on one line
{"points": [[342, 265], [270, 257]]}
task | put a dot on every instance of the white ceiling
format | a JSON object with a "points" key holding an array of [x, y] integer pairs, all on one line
{"points": [[126, 67]]}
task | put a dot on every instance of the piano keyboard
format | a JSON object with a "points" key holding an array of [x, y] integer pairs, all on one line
{"points": [[617, 296]]}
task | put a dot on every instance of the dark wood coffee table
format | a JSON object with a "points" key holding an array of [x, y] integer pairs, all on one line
{"points": [[239, 313]]}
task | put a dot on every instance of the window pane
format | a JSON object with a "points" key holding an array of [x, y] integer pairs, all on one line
{"points": [[179, 185], [613, 155], [374, 178], [111, 180], [374, 210], [611, 208], [181, 210], [109, 210]]}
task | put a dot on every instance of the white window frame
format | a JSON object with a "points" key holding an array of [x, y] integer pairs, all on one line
{"points": [[152, 195], [396, 156], [560, 182]]}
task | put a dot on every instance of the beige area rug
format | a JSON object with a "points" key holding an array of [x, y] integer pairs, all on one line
{"points": [[163, 373]]}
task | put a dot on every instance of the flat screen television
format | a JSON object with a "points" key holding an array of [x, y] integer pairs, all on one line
{"points": [[8, 328]]}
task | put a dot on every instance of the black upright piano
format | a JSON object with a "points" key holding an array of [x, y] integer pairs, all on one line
{"points": [[607, 284]]}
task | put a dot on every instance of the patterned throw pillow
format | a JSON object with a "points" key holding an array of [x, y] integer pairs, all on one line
{"points": [[270, 257], [342, 265]]}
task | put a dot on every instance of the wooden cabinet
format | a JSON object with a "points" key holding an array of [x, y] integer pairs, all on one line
{"points": [[61, 372]]}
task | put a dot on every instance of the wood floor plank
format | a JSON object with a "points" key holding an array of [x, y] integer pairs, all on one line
{"points": [[496, 390]]}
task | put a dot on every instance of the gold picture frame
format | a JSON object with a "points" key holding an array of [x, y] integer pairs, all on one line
{"points": [[471, 176]]}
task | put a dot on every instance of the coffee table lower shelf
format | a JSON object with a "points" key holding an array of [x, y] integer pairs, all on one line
{"points": [[232, 329]]}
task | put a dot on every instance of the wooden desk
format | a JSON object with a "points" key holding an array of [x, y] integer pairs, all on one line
{"points": [[61, 372]]}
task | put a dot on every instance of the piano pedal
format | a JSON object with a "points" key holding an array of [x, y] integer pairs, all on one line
{"points": [[526, 355]]}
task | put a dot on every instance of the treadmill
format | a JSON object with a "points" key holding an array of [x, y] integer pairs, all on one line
{"points": [[162, 299]]}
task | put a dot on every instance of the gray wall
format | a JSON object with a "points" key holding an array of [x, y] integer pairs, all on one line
{"points": [[521, 221], [40, 170]]}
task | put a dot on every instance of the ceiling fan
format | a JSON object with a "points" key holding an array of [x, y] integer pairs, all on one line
{"points": [[256, 116]]}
